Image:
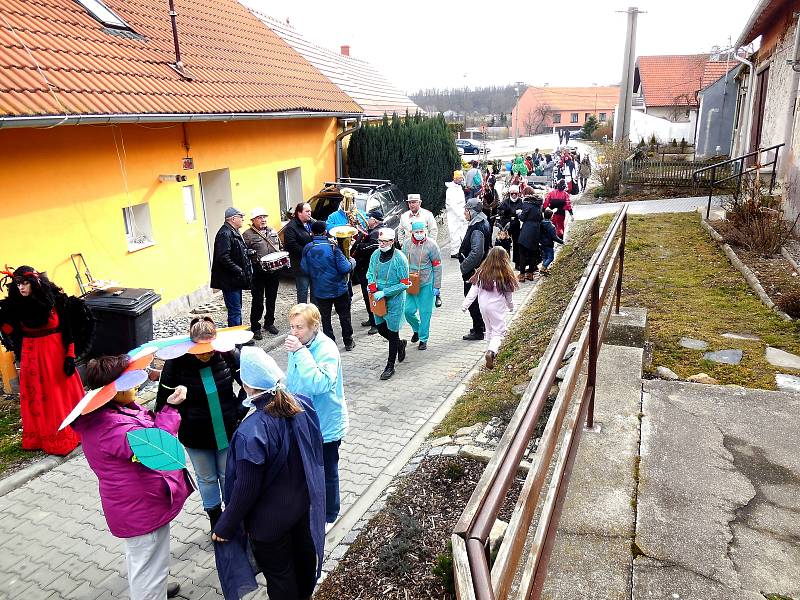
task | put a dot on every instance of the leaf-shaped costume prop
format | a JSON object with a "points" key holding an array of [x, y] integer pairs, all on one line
{"points": [[157, 449]]}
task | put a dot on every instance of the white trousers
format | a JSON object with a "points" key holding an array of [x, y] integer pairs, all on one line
{"points": [[147, 558]]}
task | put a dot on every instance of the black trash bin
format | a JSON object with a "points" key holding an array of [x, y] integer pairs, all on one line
{"points": [[124, 319]]}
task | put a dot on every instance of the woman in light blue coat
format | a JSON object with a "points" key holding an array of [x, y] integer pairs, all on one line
{"points": [[314, 370], [387, 278]]}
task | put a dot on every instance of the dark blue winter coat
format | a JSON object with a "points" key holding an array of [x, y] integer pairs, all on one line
{"points": [[327, 266], [548, 234]]}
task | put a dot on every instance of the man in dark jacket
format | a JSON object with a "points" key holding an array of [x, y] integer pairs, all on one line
{"points": [[264, 241], [296, 236], [231, 271], [327, 266], [474, 247]]}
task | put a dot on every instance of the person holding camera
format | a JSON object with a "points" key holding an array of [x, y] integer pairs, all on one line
{"points": [[263, 240], [231, 270]]}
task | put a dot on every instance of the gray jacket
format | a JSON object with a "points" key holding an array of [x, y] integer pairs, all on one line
{"points": [[476, 244]]}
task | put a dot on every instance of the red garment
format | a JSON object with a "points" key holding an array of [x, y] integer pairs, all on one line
{"points": [[558, 223], [558, 201], [46, 394]]}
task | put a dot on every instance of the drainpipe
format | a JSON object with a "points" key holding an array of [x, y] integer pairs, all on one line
{"points": [[745, 147], [339, 138]]}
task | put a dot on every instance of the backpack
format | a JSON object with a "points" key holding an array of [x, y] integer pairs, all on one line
{"points": [[476, 178]]}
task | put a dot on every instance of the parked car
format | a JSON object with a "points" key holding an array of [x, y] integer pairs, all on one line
{"points": [[470, 146], [370, 194]]}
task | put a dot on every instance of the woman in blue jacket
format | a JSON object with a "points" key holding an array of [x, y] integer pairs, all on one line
{"points": [[273, 482], [314, 370]]}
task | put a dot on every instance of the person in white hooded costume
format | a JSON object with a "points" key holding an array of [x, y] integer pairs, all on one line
{"points": [[454, 201]]}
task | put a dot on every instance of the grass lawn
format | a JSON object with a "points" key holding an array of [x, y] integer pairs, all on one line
{"points": [[489, 392], [676, 271], [11, 452]]}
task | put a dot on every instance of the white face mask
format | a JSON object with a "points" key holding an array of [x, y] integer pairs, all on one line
{"points": [[385, 248], [419, 236]]}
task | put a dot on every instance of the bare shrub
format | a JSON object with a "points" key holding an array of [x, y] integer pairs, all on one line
{"points": [[789, 303], [757, 219], [610, 160]]}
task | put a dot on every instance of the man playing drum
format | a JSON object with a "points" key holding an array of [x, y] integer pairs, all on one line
{"points": [[268, 261]]}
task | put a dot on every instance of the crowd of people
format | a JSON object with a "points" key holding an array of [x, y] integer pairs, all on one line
{"points": [[264, 443]]}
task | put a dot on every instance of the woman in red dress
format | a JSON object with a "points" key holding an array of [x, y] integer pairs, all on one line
{"points": [[36, 317]]}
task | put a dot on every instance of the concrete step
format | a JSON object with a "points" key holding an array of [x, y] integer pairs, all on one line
{"points": [[592, 554], [719, 493]]}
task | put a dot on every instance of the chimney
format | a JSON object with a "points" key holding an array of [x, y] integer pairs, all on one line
{"points": [[345, 50]]}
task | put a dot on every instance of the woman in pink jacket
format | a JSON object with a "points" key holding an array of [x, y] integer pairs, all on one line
{"points": [[493, 285], [138, 502]]}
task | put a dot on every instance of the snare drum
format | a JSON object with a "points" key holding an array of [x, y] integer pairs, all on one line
{"points": [[275, 261]]}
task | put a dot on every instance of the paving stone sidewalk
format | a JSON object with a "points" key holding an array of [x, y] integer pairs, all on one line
{"points": [[54, 540]]}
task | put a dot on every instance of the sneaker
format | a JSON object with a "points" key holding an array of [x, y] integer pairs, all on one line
{"points": [[372, 330], [257, 335], [490, 359], [438, 302], [473, 336], [422, 346], [415, 338], [367, 323], [387, 372], [349, 345], [173, 589], [401, 351], [272, 329]]}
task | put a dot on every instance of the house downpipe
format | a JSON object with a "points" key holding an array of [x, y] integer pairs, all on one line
{"points": [[745, 146], [339, 151]]}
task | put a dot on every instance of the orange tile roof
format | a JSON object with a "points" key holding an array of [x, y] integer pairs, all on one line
{"points": [[574, 98], [56, 59], [675, 79], [359, 79]]}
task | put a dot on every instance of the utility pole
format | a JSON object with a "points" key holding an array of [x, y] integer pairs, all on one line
{"points": [[517, 90], [622, 125]]}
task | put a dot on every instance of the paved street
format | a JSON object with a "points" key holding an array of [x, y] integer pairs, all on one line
{"points": [[54, 538], [644, 207]]}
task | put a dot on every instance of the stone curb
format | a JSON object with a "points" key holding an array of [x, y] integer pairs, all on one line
{"points": [[791, 260], [746, 272]]}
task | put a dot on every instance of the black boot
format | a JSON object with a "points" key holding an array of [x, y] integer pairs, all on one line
{"points": [[401, 350], [213, 515], [172, 589], [387, 372], [415, 338]]}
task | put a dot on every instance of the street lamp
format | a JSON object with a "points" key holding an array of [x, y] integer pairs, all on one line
{"points": [[517, 88]]}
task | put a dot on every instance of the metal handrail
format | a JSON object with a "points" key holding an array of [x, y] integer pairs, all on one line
{"points": [[470, 536], [739, 160]]}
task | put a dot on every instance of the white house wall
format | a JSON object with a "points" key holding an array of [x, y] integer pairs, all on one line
{"points": [[644, 126], [779, 86]]}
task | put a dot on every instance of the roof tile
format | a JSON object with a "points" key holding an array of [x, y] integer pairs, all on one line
{"points": [[675, 79], [238, 64]]}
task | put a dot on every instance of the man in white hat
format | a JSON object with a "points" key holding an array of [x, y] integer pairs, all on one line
{"points": [[416, 213], [263, 241]]}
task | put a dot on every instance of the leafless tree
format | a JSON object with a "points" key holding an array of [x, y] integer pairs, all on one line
{"points": [[535, 118]]}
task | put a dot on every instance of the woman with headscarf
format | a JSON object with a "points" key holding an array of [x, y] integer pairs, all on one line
{"points": [[210, 413], [387, 279], [274, 482], [41, 322]]}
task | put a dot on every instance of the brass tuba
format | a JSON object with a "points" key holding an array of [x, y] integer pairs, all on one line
{"points": [[344, 234]]}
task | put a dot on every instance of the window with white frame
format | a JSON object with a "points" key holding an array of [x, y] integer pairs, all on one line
{"points": [[290, 189], [138, 227], [573, 117], [602, 117], [102, 13], [556, 117], [189, 211]]}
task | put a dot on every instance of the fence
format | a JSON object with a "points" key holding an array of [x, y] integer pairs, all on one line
{"points": [[473, 577], [661, 173]]}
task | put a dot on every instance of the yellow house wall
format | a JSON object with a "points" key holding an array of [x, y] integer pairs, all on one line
{"points": [[62, 191]]}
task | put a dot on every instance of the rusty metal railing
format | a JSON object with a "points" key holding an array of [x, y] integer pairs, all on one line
{"points": [[473, 577]]}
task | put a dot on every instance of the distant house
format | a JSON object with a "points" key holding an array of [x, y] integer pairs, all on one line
{"points": [[356, 78], [544, 109], [768, 91], [114, 148], [667, 86]]}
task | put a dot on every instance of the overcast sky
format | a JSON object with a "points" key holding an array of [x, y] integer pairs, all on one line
{"points": [[421, 44]]}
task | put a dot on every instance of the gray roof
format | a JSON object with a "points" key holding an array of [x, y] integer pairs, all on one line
{"points": [[356, 78]]}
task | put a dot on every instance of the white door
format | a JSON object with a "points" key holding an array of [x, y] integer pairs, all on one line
{"points": [[215, 190]]}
